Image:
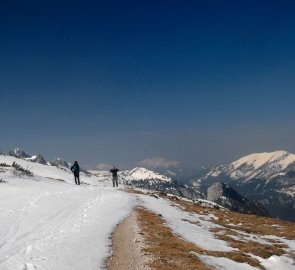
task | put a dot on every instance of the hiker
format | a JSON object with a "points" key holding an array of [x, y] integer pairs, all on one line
{"points": [[114, 172], [76, 171]]}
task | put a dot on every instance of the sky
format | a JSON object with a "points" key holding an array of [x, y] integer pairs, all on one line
{"points": [[122, 81]]}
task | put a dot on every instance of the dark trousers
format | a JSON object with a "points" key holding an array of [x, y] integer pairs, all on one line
{"points": [[77, 179], [115, 181]]}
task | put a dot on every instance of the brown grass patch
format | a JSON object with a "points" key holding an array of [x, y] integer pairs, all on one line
{"points": [[172, 252], [250, 223], [169, 251], [261, 250]]}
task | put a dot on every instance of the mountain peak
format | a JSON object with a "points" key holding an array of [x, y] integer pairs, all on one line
{"points": [[59, 162], [270, 162], [37, 158], [18, 152], [140, 173]]}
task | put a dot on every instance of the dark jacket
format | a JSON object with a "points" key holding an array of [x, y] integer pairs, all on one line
{"points": [[114, 172], [75, 168]]}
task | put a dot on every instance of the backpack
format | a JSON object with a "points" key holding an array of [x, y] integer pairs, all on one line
{"points": [[75, 169]]}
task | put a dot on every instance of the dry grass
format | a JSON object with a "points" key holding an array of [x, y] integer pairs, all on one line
{"points": [[247, 223], [172, 252], [255, 225], [169, 251]]}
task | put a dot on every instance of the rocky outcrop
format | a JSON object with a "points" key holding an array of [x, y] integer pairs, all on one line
{"points": [[39, 159], [60, 163], [18, 153], [227, 197], [187, 192]]}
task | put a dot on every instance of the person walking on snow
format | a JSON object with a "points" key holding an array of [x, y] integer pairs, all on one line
{"points": [[114, 172], [76, 171]]}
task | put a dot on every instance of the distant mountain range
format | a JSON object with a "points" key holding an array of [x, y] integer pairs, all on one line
{"points": [[150, 180], [38, 158], [137, 177], [268, 178], [19, 153]]}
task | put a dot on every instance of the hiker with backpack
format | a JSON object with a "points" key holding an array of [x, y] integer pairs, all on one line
{"points": [[76, 171], [114, 172]]}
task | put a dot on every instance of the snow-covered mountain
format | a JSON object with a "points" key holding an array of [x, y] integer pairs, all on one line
{"points": [[266, 177], [261, 165], [147, 179], [138, 174]]}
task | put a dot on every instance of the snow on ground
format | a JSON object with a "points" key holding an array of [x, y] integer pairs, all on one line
{"points": [[221, 263], [189, 226], [276, 262], [54, 225], [39, 169], [49, 223]]}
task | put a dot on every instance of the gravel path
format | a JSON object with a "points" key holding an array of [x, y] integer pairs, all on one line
{"points": [[127, 246]]}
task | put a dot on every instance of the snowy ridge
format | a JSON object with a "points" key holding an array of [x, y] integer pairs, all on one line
{"points": [[144, 174], [43, 170], [258, 165], [19, 153], [261, 165]]}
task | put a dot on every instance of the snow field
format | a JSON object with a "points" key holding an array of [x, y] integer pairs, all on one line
{"points": [[57, 225]]}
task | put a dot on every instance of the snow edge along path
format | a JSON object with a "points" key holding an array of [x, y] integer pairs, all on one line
{"points": [[192, 227]]}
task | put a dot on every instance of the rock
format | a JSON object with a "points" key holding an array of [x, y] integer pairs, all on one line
{"points": [[227, 197], [39, 159], [18, 153], [60, 163]]}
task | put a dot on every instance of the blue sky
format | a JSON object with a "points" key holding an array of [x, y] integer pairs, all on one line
{"points": [[121, 81]]}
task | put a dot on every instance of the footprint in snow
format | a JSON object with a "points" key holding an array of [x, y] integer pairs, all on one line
{"points": [[29, 266], [28, 250]]}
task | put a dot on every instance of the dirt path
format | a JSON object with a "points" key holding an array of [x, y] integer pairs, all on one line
{"points": [[143, 242], [128, 244]]}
